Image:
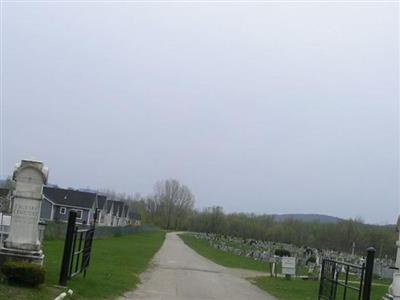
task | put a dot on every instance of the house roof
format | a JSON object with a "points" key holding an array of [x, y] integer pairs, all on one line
{"points": [[121, 209], [126, 209], [109, 204], [70, 197], [101, 201], [118, 206]]}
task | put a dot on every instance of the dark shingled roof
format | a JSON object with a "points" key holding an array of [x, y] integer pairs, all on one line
{"points": [[108, 205], [70, 197], [101, 201], [126, 211], [116, 210], [121, 209]]}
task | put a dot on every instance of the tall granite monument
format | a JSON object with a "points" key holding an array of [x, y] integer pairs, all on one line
{"points": [[23, 240], [394, 289]]}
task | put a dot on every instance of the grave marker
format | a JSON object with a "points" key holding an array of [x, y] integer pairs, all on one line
{"points": [[289, 266], [394, 288], [23, 241]]}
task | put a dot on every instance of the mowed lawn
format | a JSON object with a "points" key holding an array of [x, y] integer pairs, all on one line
{"points": [[222, 258], [281, 288], [114, 268], [291, 289]]}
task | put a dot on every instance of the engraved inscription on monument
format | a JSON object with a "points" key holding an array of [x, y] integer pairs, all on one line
{"points": [[25, 214]]}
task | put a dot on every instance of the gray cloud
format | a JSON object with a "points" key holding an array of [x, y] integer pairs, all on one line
{"points": [[260, 108]]}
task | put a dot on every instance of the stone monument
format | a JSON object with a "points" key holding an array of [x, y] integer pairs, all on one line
{"points": [[288, 266], [394, 288], [23, 240]]}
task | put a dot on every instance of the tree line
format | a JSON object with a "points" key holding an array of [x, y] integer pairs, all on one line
{"points": [[171, 206], [336, 236]]}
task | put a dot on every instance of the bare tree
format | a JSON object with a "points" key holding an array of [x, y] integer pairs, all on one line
{"points": [[173, 203]]}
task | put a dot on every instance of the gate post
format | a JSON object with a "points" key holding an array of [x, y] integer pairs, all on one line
{"points": [[67, 249], [321, 283], [369, 265]]}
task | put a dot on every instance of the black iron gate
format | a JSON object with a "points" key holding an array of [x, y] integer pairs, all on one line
{"points": [[341, 280], [77, 249]]}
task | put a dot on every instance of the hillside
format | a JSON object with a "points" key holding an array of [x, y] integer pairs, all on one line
{"points": [[307, 218]]}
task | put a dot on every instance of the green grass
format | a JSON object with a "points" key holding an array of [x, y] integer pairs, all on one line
{"points": [[306, 289], [223, 258], [281, 288], [114, 268]]}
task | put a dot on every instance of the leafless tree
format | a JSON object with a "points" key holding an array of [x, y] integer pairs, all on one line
{"points": [[172, 203]]}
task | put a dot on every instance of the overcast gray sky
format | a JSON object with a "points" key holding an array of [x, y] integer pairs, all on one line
{"points": [[266, 108]]}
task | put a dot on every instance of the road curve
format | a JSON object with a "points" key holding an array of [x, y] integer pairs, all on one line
{"points": [[179, 273]]}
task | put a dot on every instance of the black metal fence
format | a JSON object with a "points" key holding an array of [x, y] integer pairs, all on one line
{"points": [[77, 249], [341, 280]]}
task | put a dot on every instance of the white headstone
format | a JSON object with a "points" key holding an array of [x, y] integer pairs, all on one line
{"points": [[289, 266], [23, 239]]}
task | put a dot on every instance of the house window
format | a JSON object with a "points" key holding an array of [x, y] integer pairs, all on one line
{"points": [[78, 213], [63, 210]]}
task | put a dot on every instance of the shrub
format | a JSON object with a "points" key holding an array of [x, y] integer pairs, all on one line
{"points": [[311, 259], [282, 252], [23, 273]]}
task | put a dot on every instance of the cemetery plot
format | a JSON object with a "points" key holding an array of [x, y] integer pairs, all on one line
{"points": [[215, 248], [307, 260], [303, 261]]}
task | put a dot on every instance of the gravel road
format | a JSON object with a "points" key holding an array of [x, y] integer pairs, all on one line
{"points": [[179, 273]]}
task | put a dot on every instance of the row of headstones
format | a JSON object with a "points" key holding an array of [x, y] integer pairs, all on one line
{"points": [[265, 251]]}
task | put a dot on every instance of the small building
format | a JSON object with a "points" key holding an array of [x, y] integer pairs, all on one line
{"points": [[101, 209], [121, 213], [124, 215], [58, 202], [135, 218], [108, 213], [117, 212]]}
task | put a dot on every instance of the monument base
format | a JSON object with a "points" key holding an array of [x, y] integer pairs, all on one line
{"points": [[394, 288], [21, 246], [35, 257]]}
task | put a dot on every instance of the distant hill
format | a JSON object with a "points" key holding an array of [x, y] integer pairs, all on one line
{"points": [[307, 218]]}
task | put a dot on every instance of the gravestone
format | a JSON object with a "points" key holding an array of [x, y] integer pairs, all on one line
{"points": [[272, 263], [23, 241], [288, 266], [394, 288]]}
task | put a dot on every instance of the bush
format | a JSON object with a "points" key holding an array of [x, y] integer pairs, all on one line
{"points": [[282, 252], [23, 273], [311, 259]]}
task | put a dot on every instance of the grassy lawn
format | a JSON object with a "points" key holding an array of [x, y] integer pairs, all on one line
{"points": [[222, 258], [279, 287], [114, 268], [292, 289]]}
